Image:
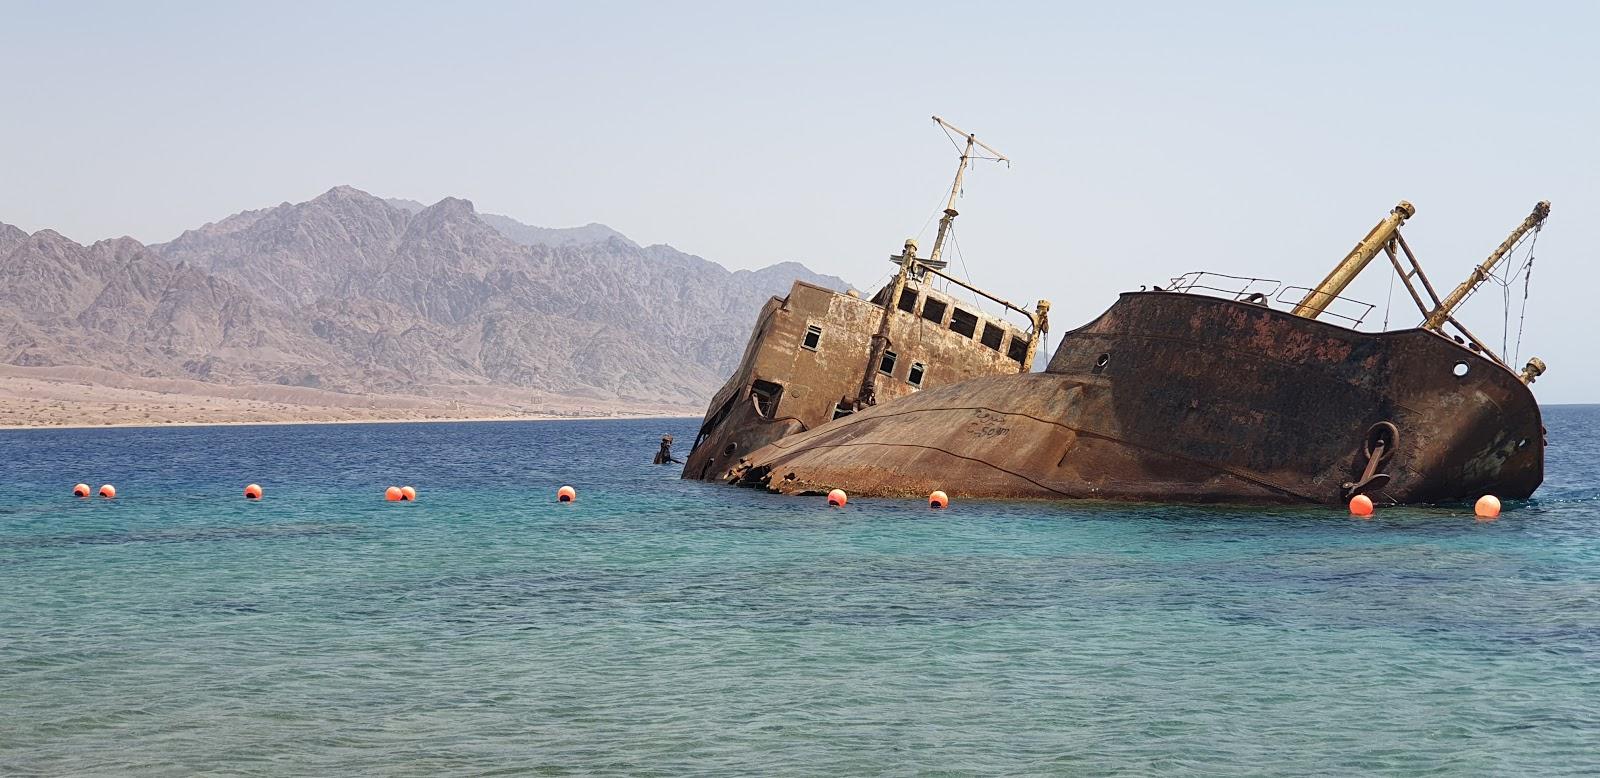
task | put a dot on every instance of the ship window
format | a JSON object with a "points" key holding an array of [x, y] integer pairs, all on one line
{"points": [[908, 301], [963, 322], [813, 337], [914, 375], [886, 367], [1100, 363], [933, 310], [993, 335], [842, 410], [766, 394], [1018, 350], [1460, 369]]}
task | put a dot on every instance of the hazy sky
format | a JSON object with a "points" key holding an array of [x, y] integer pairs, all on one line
{"points": [[1148, 139]]}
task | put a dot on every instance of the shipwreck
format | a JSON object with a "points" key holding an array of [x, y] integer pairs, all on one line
{"points": [[1212, 388], [817, 354]]}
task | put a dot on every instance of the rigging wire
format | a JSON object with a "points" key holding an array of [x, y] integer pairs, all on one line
{"points": [[1505, 313], [1498, 279], [951, 136], [936, 211], [1527, 280], [963, 152], [1387, 306], [877, 285], [956, 245], [1524, 271]]}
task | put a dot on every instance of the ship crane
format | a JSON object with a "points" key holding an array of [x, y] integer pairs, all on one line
{"points": [[1386, 237]]}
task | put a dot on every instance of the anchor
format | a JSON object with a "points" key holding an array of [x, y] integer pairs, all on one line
{"points": [[1379, 446]]}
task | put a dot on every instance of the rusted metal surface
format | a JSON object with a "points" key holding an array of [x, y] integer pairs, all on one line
{"points": [[805, 360], [1189, 398], [1316, 300]]}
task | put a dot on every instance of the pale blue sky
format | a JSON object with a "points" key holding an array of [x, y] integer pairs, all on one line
{"points": [[1148, 139]]}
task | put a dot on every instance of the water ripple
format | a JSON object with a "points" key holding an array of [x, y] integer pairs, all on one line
{"points": [[664, 628]]}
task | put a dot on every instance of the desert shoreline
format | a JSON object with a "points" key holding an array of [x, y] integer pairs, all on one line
{"points": [[305, 422], [89, 398]]}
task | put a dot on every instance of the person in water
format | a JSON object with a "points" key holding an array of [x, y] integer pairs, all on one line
{"points": [[664, 456]]}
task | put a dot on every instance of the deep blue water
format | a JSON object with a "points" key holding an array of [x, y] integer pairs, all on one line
{"points": [[660, 627]]}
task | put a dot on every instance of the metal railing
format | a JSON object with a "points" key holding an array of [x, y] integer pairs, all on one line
{"points": [[1302, 291], [1261, 291], [1224, 284]]}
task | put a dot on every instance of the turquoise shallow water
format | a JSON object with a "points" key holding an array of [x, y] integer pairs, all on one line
{"points": [[662, 627]]}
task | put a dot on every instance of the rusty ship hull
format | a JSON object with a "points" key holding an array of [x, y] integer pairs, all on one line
{"points": [[1177, 397]]}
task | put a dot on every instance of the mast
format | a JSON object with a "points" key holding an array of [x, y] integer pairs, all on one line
{"points": [[950, 212], [1317, 300], [913, 267], [1441, 313]]}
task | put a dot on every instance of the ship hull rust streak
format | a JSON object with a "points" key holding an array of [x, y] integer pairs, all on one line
{"points": [[1188, 398]]}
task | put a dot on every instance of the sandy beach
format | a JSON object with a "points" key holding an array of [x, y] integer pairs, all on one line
{"points": [[64, 398]]}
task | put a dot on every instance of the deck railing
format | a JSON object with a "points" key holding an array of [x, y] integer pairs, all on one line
{"points": [[1261, 291]]}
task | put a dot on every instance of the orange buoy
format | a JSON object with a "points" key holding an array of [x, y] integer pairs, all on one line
{"points": [[938, 500], [81, 490], [252, 492], [1488, 507], [1361, 505], [837, 498], [566, 494], [408, 494], [108, 491], [392, 494]]}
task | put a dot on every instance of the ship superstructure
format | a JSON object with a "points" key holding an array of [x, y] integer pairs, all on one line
{"points": [[817, 354]]}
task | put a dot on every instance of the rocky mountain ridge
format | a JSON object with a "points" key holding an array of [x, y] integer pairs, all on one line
{"points": [[527, 234], [352, 293]]}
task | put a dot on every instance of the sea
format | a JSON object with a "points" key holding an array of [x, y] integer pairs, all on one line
{"points": [[662, 627]]}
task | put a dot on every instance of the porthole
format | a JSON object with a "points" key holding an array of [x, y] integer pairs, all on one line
{"points": [[1522, 443], [1460, 370]]}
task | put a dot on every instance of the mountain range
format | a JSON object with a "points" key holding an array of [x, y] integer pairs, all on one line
{"points": [[352, 293]]}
